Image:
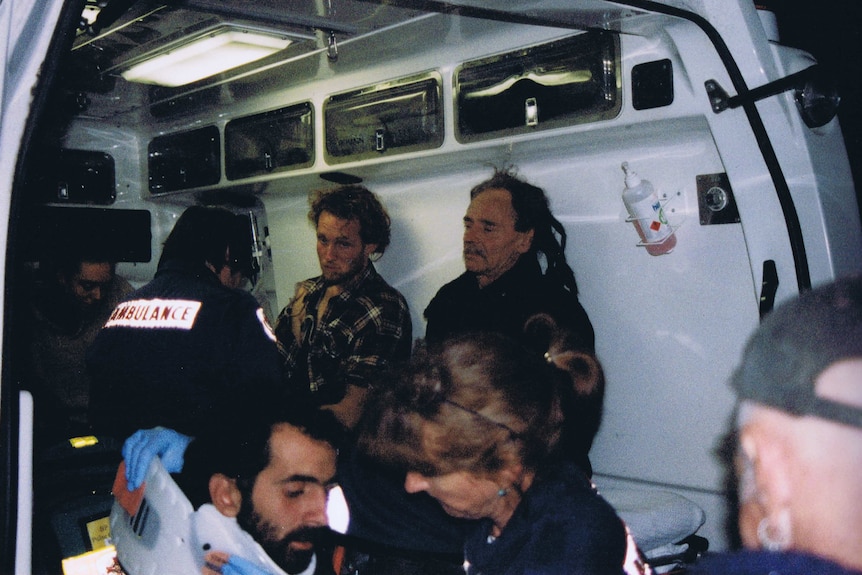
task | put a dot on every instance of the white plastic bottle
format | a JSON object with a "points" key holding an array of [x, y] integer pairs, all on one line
{"points": [[646, 211]]}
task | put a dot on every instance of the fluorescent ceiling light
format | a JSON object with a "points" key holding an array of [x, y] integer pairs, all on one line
{"points": [[207, 55]]}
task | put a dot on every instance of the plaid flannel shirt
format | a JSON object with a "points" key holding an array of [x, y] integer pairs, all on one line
{"points": [[362, 329]]}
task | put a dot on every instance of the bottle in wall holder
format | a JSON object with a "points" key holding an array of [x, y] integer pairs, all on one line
{"points": [[647, 214]]}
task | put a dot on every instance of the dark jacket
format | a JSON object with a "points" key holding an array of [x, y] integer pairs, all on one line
{"points": [[767, 563], [504, 305], [383, 512], [561, 527], [183, 352]]}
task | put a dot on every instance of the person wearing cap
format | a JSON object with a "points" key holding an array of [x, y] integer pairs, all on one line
{"points": [[189, 350], [799, 449]]}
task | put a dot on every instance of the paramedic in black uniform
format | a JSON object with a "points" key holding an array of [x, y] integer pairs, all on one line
{"points": [[189, 350], [507, 224]]}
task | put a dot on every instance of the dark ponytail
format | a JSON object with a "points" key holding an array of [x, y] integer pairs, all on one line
{"points": [[582, 385]]}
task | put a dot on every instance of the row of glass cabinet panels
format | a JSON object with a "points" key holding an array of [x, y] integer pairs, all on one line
{"points": [[564, 82]]}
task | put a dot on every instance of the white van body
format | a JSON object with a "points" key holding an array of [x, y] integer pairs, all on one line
{"points": [[669, 328]]}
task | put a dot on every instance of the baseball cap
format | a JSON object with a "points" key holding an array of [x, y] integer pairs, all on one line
{"points": [[797, 342]]}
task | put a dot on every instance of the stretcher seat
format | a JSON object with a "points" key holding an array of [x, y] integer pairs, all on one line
{"points": [[662, 523]]}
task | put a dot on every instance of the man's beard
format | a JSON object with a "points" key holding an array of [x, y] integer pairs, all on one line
{"points": [[355, 268], [279, 550]]}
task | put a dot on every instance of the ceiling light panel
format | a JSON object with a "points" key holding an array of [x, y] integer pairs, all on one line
{"points": [[217, 51]]}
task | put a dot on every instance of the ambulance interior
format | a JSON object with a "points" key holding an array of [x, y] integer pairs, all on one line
{"points": [[421, 100]]}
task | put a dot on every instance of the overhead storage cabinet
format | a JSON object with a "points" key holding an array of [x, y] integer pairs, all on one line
{"points": [[184, 160], [276, 141], [78, 177], [384, 119], [569, 81]]}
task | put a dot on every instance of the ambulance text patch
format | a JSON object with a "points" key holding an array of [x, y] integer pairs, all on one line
{"points": [[155, 314]]}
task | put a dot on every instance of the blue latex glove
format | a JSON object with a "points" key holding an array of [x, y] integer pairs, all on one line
{"points": [[239, 566], [144, 445]]}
